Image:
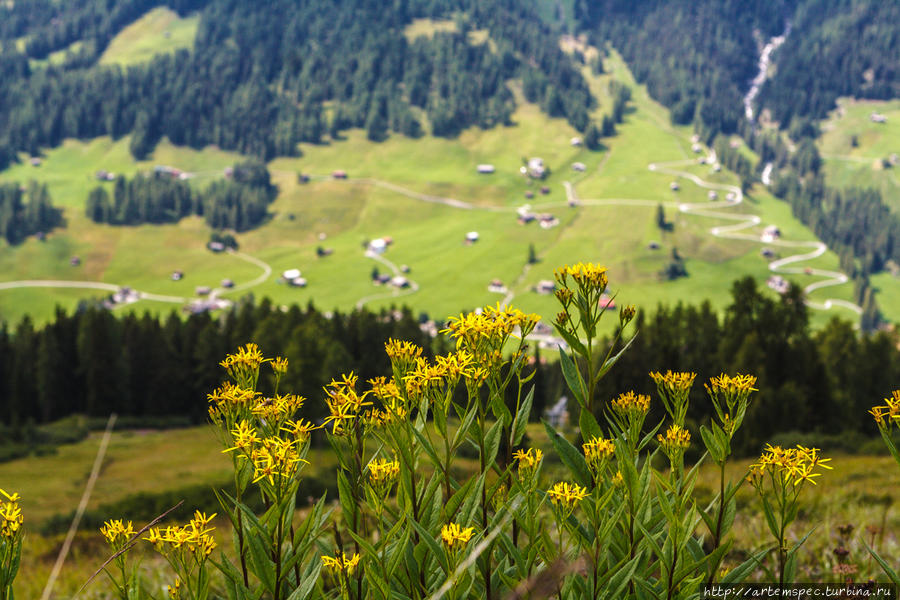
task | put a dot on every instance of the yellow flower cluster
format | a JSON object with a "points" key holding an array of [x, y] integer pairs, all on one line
{"points": [[229, 403], [529, 461], [340, 563], [630, 405], [584, 274], [789, 465], [732, 385], [11, 517], [243, 365], [597, 452], [455, 537], [674, 382], [675, 442], [344, 403], [275, 457], [889, 412], [280, 365], [484, 333], [117, 533], [402, 350], [279, 408], [383, 471], [194, 538], [566, 494], [175, 589]]}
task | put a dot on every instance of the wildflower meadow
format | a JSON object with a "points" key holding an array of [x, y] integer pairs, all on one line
{"points": [[441, 495]]}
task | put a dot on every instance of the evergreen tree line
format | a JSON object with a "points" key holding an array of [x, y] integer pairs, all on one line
{"points": [[240, 203], [837, 48], [854, 219], [92, 362], [258, 77], [19, 219], [696, 58]]}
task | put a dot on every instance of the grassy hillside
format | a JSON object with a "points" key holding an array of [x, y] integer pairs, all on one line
{"points": [[159, 31], [399, 188]]}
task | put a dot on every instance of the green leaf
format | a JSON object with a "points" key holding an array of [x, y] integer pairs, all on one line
{"points": [[614, 359], [433, 546], [572, 341], [589, 426], [492, 442], [743, 570], [571, 457], [573, 377], [264, 567], [308, 582], [712, 444], [521, 420], [891, 573], [464, 426]]}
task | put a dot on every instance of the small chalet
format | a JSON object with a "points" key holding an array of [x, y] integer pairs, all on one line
{"points": [[712, 194], [536, 167], [35, 161], [339, 174], [770, 233], [216, 246], [203, 290], [177, 275], [75, 261], [575, 141], [545, 286], [579, 166], [674, 186], [876, 117], [400, 282], [496, 286], [485, 169], [472, 237], [227, 283]]}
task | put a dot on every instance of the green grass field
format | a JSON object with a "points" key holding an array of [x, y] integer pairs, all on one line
{"points": [[158, 32], [428, 237], [862, 165]]}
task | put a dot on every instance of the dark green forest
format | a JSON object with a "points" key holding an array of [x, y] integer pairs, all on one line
{"points": [[92, 362], [239, 203], [257, 78], [20, 218]]}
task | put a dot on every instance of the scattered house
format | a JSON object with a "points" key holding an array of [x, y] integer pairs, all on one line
{"points": [[124, 295], [227, 283], [404, 268], [339, 174], [379, 245], [778, 283], [717, 167], [893, 159], [526, 218], [807, 271], [735, 143], [216, 246], [381, 279], [472, 237], [548, 221], [730, 196], [674, 186], [767, 253], [695, 138], [303, 178], [75, 261], [529, 194], [573, 202], [696, 149], [770, 234], [167, 171], [202, 290], [523, 170], [606, 301], [496, 286], [229, 172], [104, 175], [545, 190], [536, 167], [177, 275], [653, 246], [290, 274], [206, 305], [400, 282], [545, 286], [876, 117], [712, 194], [575, 141], [579, 166], [297, 282], [485, 169], [323, 252], [35, 161], [701, 160], [322, 236]]}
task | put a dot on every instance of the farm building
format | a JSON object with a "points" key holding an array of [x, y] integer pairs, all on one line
{"points": [[379, 245], [876, 117], [548, 221], [339, 174], [674, 186], [485, 169], [575, 141], [75, 261], [606, 301], [770, 233], [536, 167], [216, 246], [35, 162], [767, 253], [545, 286], [472, 237], [177, 275], [496, 286], [400, 282], [227, 283], [290, 274], [712, 195], [202, 290], [778, 283], [297, 282], [104, 175], [579, 166]]}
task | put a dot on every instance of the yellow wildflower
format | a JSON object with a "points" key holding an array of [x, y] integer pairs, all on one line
{"points": [[340, 563], [529, 461], [597, 452], [280, 365], [117, 533], [566, 494], [675, 442], [455, 537], [383, 471], [629, 405]]}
